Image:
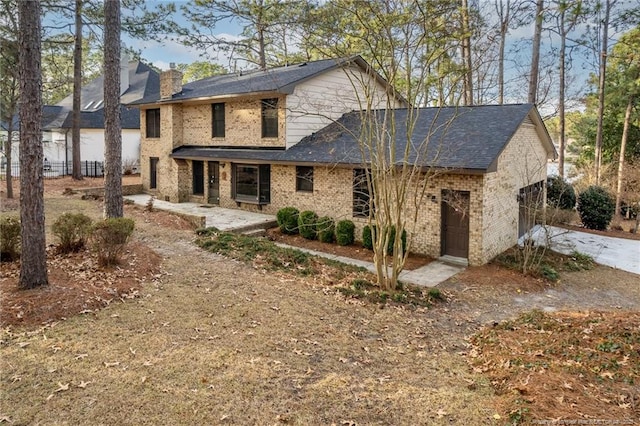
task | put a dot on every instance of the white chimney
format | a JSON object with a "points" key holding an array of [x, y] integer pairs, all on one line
{"points": [[124, 73]]}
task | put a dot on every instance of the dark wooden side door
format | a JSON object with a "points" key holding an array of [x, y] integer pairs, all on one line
{"points": [[153, 172], [214, 182], [455, 224]]}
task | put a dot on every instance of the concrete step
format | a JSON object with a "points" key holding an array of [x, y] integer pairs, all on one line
{"points": [[257, 232]]}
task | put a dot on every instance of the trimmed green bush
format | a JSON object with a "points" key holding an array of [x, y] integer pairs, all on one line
{"points": [[560, 193], [345, 232], [596, 208], [109, 238], [9, 238], [73, 230], [368, 233], [287, 218], [392, 236], [368, 236], [308, 224], [326, 229]]}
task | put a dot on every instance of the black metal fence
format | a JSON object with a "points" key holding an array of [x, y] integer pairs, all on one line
{"points": [[56, 169]]}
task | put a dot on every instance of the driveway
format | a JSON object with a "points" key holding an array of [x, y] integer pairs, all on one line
{"points": [[618, 253]]}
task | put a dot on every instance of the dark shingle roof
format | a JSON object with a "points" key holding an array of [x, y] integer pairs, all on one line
{"points": [[469, 138], [279, 80], [143, 81]]}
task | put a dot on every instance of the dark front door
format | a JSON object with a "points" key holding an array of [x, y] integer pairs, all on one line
{"points": [[153, 172], [214, 182], [455, 223]]}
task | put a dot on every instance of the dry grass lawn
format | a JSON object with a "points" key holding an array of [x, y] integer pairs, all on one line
{"points": [[209, 340]]}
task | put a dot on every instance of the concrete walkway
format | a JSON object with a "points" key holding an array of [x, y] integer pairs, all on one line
{"points": [[618, 253], [428, 276], [223, 219]]}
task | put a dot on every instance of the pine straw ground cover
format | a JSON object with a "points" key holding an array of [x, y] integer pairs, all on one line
{"points": [[572, 367]]}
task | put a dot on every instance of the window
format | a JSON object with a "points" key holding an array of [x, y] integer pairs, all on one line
{"points": [[153, 172], [217, 120], [361, 198], [304, 179], [252, 183], [270, 118], [198, 177], [153, 123]]}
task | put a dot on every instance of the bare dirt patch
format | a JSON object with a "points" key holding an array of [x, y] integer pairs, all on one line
{"points": [[76, 284], [354, 251], [564, 366]]}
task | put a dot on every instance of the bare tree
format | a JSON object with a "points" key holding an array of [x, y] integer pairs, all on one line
{"points": [[565, 24], [535, 53], [33, 263], [77, 88], [601, 85], [112, 132], [623, 145], [466, 53]]}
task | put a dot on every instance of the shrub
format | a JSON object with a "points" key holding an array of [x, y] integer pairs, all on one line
{"points": [[109, 238], [557, 216], [9, 238], [560, 193], [326, 229], [287, 218], [392, 236], [596, 208], [345, 232], [368, 236], [308, 224], [73, 230]]}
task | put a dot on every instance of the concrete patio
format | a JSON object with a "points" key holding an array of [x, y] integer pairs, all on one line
{"points": [[206, 215]]}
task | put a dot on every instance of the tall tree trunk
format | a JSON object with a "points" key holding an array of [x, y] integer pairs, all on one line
{"points": [[77, 87], [535, 54], [112, 130], [563, 47], [33, 261], [503, 37], [8, 154], [466, 54], [601, 83], [623, 146], [503, 12]]}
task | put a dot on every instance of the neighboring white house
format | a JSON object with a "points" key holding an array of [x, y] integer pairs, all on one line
{"points": [[137, 80]]}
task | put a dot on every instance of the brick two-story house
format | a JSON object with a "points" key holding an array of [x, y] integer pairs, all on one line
{"points": [[289, 137]]}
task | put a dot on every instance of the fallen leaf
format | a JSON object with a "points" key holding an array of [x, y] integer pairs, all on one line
{"points": [[80, 356], [111, 364], [23, 344], [83, 384], [62, 387], [441, 413]]}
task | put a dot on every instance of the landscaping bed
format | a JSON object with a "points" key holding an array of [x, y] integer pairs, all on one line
{"points": [[354, 251]]}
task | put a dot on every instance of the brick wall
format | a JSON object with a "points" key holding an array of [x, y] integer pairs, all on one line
{"points": [[522, 163], [171, 127], [243, 124]]}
